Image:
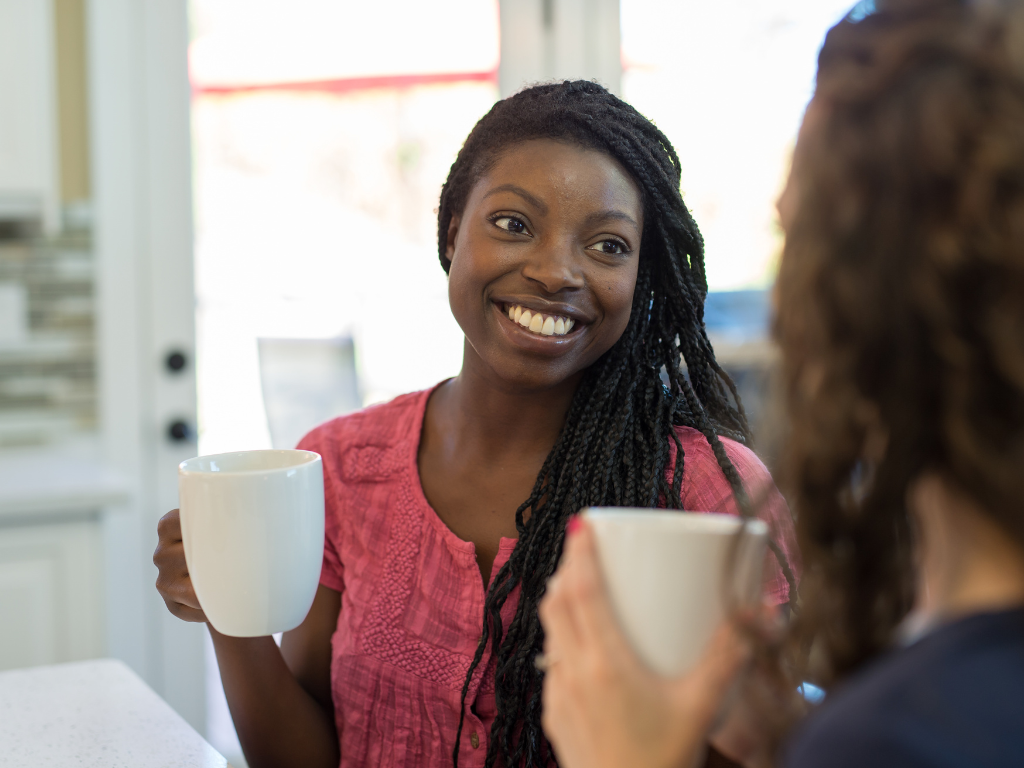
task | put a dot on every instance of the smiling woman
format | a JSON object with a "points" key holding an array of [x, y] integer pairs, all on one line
{"points": [[577, 276], [551, 229], [565, 200]]}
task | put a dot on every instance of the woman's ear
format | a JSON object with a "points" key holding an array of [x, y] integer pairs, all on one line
{"points": [[453, 232]]}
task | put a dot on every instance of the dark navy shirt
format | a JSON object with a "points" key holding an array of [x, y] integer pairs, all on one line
{"points": [[954, 699]]}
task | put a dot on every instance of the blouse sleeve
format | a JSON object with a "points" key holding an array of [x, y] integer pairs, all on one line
{"points": [[332, 572]]}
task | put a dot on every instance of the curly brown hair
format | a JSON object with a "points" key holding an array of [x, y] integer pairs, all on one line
{"points": [[900, 304]]}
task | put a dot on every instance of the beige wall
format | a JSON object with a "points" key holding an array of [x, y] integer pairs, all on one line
{"points": [[72, 110]]}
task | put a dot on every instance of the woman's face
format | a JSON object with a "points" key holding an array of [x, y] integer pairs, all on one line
{"points": [[544, 261]]}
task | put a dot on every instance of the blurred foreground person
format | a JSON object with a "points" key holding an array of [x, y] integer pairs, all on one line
{"points": [[900, 315]]}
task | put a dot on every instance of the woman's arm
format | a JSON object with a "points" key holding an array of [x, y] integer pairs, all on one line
{"points": [[602, 706], [280, 698]]}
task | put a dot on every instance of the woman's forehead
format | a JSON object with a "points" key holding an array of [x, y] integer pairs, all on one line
{"points": [[562, 170]]}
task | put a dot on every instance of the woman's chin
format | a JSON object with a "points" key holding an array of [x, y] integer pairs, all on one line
{"points": [[527, 374]]}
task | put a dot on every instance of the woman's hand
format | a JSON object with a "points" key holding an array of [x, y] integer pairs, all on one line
{"points": [[173, 582], [280, 698], [602, 706]]}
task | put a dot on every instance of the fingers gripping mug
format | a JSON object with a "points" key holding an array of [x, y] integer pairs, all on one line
{"points": [[252, 524]]}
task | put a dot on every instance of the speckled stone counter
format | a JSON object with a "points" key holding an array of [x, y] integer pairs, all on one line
{"points": [[94, 714]]}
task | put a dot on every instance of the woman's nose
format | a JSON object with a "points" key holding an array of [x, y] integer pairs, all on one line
{"points": [[554, 267]]}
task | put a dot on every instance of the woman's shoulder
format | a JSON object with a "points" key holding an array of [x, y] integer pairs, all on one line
{"points": [[702, 471], [377, 427], [950, 699], [695, 440]]}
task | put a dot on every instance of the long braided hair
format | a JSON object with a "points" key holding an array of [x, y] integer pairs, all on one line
{"points": [[614, 447]]}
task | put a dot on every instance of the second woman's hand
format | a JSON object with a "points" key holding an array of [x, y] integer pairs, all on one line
{"points": [[602, 706]]}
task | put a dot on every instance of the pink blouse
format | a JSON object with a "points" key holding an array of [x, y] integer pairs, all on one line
{"points": [[411, 595]]}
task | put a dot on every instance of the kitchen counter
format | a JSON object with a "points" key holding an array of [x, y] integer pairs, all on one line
{"points": [[97, 714]]}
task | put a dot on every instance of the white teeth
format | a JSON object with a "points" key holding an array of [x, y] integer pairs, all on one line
{"points": [[545, 325]]}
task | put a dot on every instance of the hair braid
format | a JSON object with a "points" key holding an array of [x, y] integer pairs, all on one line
{"points": [[614, 448]]}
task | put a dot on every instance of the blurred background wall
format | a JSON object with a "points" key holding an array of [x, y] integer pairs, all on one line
{"points": [[97, 368], [217, 228]]}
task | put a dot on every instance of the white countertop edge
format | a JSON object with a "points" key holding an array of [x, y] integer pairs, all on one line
{"points": [[94, 713], [35, 483]]}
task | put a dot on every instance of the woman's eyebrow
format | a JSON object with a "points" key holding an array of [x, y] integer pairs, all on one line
{"points": [[610, 215], [542, 207]]}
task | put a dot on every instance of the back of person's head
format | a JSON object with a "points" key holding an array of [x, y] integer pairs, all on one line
{"points": [[900, 301]]}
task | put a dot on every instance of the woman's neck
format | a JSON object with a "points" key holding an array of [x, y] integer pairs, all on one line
{"points": [[480, 413], [966, 562]]}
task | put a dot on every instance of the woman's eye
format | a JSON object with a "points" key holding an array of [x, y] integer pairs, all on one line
{"points": [[610, 247], [510, 224]]}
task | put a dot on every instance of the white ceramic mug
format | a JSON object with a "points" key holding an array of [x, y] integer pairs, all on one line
{"points": [[670, 576], [253, 528]]}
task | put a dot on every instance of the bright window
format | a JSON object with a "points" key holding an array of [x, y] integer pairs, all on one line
{"points": [[727, 81], [322, 134]]}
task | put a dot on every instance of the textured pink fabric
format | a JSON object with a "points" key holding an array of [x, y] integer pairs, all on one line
{"points": [[411, 594]]}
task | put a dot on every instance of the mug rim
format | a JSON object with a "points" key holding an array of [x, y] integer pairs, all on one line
{"points": [[187, 467], [698, 522]]}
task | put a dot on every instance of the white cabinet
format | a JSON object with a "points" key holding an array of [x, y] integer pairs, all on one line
{"points": [[53, 509], [50, 592], [29, 167]]}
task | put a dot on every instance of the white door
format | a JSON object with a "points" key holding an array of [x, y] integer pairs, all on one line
{"points": [[139, 120]]}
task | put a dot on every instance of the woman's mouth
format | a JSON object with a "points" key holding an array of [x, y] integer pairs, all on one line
{"points": [[538, 323]]}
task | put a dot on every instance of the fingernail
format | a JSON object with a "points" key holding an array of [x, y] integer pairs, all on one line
{"points": [[573, 525]]}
